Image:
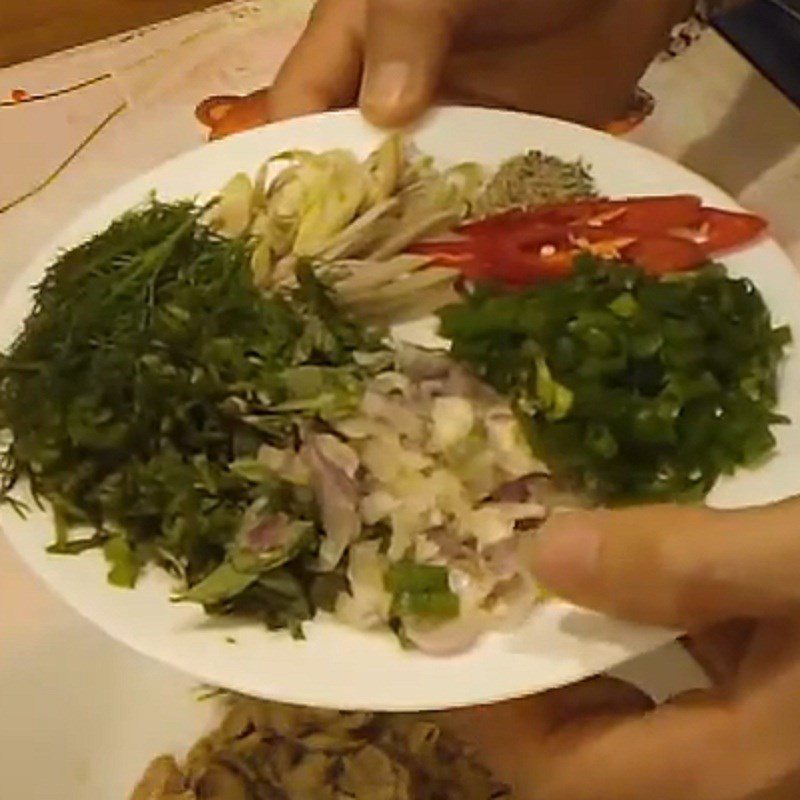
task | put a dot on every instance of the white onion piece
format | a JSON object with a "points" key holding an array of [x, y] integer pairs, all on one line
{"points": [[516, 602], [393, 412], [391, 383], [420, 364], [369, 603], [452, 420], [447, 639], [333, 466], [522, 512], [503, 559], [378, 505]]}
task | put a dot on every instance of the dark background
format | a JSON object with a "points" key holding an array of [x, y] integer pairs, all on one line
{"points": [[768, 33]]}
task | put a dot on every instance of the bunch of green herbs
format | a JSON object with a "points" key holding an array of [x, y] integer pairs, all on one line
{"points": [[142, 385], [632, 388]]}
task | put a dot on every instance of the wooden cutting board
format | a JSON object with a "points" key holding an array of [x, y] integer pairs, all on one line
{"points": [[31, 29]]}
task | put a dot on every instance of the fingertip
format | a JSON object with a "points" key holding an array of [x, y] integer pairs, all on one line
{"points": [[405, 49], [389, 97], [565, 554], [392, 117]]}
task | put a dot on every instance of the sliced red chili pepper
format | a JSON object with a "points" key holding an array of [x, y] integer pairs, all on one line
{"points": [[660, 234], [644, 215], [499, 224], [526, 255], [655, 215], [555, 216], [212, 109], [506, 247], [660, 255], [592, 234], [725, 230], [558, 265]]}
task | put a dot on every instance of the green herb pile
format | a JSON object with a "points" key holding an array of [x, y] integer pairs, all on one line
{"points": [[634, 388], [144, 382]]}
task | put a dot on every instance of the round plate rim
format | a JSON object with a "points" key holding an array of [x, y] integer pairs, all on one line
{"points": [[348, 698]]}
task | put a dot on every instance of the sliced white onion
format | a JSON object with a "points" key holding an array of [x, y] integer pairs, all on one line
{"points": [[449, 638], [452, 420], [394, 412], [515, 602]]}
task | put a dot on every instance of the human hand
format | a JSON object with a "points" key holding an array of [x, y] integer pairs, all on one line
{"points": [[575, 59], [690, 568]]}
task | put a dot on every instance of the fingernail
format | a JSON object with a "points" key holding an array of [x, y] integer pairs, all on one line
{"points": [[566, 559], [385, 84]]}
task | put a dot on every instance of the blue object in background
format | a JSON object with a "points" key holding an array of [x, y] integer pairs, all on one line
{"points": [[767, 32]]}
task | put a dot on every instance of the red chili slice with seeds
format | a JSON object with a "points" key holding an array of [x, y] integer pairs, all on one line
{"points": [[660, 234]]}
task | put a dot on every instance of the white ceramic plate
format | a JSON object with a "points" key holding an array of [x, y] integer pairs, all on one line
{"points": [[338, 667]]}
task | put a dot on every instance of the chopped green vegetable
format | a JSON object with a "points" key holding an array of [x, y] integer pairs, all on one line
{"points": [[635, 388], [224, 583], [124, 562], [75, 547], [406, 576], [421, 590], [149, 368], [440, 605], [272, 542], [554, 399], [280, 599]]}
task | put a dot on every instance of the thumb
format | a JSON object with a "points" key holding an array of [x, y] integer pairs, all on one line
{"points": [[406, 46], [675, 566]]}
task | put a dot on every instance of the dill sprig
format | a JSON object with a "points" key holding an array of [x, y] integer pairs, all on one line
{"points": [[149, 364]]}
